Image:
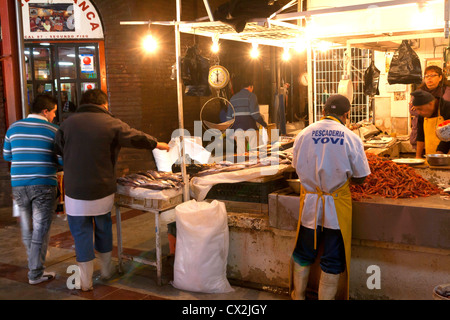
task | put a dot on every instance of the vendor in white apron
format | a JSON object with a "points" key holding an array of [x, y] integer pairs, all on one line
{"points": [[327, 155], [432, 112]]}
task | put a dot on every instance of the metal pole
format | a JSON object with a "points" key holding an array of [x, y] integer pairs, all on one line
{"points": [[21, 50], [208, 10], [309, 70], [446, 18], [119, 238], [186, 195]]}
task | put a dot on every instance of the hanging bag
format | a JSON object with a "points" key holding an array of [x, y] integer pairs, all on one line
{"points": [[405, 66], [371, 80]]}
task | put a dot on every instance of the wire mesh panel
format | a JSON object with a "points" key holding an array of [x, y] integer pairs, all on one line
{"points": [[329, 67]]}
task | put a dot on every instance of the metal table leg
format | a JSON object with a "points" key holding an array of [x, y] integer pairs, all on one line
{"points": [[121, 255], [158, 249], [119, 239]]}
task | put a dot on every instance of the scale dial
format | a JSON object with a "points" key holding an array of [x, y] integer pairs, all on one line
{"points": [[304, 79], [218, 77]]}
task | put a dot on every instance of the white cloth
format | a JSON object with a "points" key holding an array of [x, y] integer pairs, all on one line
{"points": [[326, 154], [76, 207]]}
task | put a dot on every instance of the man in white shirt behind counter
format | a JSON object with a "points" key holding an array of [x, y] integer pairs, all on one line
{"points": [[327, 156]]}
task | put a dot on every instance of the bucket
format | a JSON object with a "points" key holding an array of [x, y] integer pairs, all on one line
{"points": [[442, 292]]}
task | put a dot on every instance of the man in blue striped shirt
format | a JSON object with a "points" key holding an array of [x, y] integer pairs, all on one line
{"points": [[29, 146]]}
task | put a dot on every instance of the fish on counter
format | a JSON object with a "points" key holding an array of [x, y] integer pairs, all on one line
{"points": [[278, 158], [152, 179]]}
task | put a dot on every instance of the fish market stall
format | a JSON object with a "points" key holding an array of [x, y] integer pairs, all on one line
{"points": [[261, 243], [149, 191]]}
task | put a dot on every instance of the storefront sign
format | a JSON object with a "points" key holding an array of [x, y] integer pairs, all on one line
{"points": [[60, 20]]}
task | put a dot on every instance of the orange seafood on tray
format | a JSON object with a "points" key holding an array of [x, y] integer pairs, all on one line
{"points": [[391, 180]]}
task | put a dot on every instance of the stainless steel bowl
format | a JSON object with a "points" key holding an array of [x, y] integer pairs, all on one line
{"points": [[294, 184], [438, 159]]}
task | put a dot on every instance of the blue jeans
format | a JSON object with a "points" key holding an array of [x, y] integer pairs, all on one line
{"points": [[36, 206], [87, 229], [333, 257]]}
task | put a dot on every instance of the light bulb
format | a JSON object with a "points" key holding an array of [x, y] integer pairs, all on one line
{"points": [[255, 52], [215, 47], [324, 46], [286, 56], [149, 43]]}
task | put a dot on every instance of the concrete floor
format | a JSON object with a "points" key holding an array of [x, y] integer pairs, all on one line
{"points": [[137, 283]]}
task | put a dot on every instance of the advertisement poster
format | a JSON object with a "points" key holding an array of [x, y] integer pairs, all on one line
{"points": [[88, 86], [61, 19], [87, 63]]}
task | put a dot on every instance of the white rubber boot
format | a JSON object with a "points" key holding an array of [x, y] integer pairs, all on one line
{"points": [[86, 271], [328, 286], [107, 268], [300, 279]]}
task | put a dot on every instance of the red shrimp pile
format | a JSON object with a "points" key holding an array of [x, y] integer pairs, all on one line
{"points": [[391, 180]]}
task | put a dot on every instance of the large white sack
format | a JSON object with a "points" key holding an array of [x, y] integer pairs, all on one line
{"points": [[202, 247]]}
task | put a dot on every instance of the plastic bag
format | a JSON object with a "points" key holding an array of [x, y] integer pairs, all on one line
{"points": [[236, 13], [405, 66], [164, 160], [443, 131], [194, 73], [371, 80], [263, 136], [202, 247]]}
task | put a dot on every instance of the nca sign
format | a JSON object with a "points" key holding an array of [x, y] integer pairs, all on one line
{"points": [[60, 20]]}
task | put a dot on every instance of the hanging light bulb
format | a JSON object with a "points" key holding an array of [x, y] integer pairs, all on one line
{"points": [[149, 43], [324, 46], [215, 43], [286, 55], [215, 47], [300, 45], [255, 52], [423, 17], [311, 29]]}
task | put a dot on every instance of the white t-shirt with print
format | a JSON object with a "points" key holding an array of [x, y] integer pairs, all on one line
{"points": [[325, 155]]}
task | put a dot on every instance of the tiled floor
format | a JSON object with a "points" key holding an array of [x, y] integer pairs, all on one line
{"points": [[138, 282]]}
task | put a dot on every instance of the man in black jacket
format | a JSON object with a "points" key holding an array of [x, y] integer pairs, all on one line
{"points": [[90, 141]]}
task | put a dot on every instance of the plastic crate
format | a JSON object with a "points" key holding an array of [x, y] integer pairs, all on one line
{"points": [[257, 192]]}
